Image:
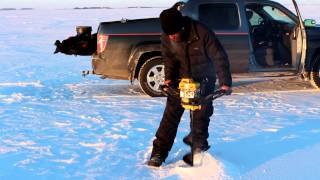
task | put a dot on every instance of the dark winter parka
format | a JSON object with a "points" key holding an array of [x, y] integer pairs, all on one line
{"points": [[198, 55]]}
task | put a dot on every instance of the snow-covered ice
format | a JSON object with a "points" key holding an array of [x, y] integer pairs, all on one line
{"points": [[55, 124]]}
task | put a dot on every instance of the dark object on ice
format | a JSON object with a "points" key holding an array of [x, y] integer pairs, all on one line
{"points": [[83, 44]]}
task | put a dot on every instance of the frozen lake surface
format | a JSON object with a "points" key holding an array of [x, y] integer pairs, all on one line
{"points": [[55, 124]]}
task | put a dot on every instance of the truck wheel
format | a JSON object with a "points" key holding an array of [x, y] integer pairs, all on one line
{"points": [[151, 76], [315, 74]]}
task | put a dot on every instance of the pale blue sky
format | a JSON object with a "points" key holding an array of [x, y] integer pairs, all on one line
{"points": [[111, 3], [82, 3]]}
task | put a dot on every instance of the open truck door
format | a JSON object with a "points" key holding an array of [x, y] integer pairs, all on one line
{"points": [[276, 37], [301, 41]]}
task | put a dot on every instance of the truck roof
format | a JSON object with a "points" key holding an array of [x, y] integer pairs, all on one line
{"points": [[200, 1], [230, 1]]}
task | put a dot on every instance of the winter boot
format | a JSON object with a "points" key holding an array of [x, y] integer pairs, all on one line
{"points": [[196, 159], [156, 159], [188, 141]]}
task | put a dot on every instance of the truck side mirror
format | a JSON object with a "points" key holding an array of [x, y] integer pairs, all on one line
{"points": [[310, 23]]}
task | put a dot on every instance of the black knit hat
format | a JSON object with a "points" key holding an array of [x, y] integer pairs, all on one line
{"points": [[171, 21]]}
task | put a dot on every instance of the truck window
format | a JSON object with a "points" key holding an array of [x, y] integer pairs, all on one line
{"points": [[277, 15], [220, 16]]}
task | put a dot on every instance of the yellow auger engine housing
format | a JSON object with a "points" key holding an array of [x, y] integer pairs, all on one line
{"points": [[190, 94]]}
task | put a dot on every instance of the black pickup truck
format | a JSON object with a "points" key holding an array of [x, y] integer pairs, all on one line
{"points": [[258, 35]]}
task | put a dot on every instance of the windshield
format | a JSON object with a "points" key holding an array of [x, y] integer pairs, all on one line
{"points": [[277, 15]]}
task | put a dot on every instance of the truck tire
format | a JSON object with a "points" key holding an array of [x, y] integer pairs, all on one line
{"points": [[315, 73], [151, 76]]}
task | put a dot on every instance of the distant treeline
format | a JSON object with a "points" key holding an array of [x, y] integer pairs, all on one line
{"points": [[110, 7], [140, 7], [13, 9], [92, 8], [77, 8]]}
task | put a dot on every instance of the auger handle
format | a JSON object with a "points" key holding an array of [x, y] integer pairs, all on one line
{"points": [[169, 91], [216, 95]]}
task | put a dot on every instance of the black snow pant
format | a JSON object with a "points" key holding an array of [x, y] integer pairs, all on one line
{"points": [[170, 121]]}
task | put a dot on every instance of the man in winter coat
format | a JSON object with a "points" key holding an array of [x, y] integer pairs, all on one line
{"points": [[189, 50]]}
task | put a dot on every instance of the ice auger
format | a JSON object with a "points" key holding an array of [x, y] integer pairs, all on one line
{"points": [[190, 94]]}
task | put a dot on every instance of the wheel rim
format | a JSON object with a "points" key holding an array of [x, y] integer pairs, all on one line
{"points": [[155, 77]]}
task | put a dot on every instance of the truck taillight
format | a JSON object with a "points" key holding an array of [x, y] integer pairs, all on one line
{"points": [[102, 41]]}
